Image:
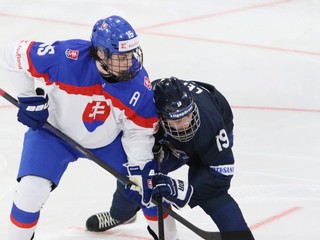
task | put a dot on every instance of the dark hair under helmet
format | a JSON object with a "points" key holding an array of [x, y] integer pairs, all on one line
{"points": [[174, 102]]}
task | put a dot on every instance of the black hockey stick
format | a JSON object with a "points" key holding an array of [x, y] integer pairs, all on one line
{"points": [[160, 210], [202, 233]]}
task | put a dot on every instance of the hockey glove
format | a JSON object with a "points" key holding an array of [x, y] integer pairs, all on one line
{"points": [[33, 110], [143, 180], [174, 191]]}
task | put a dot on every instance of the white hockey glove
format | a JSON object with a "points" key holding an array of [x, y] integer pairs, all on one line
{"points": [[174, 191], [143, 180]]}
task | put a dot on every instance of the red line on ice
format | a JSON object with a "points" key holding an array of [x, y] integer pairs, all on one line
{"points": [[275, 217]]}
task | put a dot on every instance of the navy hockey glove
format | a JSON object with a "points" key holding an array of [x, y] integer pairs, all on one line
{"points": [[174, 191], [143, 180], [33, 111]]}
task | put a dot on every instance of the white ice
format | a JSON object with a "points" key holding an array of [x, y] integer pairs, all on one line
{"points": [[264, 55]]}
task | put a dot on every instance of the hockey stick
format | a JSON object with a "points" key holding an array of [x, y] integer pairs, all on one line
{"points": [[160, 210], [202, 233]]}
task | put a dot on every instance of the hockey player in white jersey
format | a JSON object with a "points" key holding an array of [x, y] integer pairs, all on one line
{"points": [[96, 92]]}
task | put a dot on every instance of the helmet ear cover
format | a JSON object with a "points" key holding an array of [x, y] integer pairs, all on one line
{"points": [[175, 102]]}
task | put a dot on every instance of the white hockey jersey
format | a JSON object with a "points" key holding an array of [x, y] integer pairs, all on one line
{"points": [[82, 104]]}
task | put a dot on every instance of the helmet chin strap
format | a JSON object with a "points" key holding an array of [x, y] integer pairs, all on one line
{"points": [[103, 69], [101, 65], [110, 77]]}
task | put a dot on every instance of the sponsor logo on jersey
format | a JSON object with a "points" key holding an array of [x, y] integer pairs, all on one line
{"points": [[227, 170], [72, 54], [21, 47], [95, 114], [147, 82]]}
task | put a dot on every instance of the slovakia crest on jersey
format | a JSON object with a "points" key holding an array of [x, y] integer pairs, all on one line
{"points": [[95, 115], [147, 82], [72, 54]]}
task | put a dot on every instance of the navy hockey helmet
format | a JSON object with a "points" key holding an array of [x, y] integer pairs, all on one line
{"points": [[116, 37], [179, 114]]}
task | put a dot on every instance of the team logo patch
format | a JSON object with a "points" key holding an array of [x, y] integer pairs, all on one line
{"points": [[72, 54], [95, 115], [147, 82], [149, 183]]}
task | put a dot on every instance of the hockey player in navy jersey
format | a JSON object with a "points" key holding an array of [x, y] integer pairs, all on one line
{"points": [[196, 129], [96, 92]]}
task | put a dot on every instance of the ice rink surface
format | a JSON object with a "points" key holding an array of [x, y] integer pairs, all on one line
{"points": [[263, 55]]}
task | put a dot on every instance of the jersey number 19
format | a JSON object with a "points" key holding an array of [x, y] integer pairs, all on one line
{"points": [[222, 140]]}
